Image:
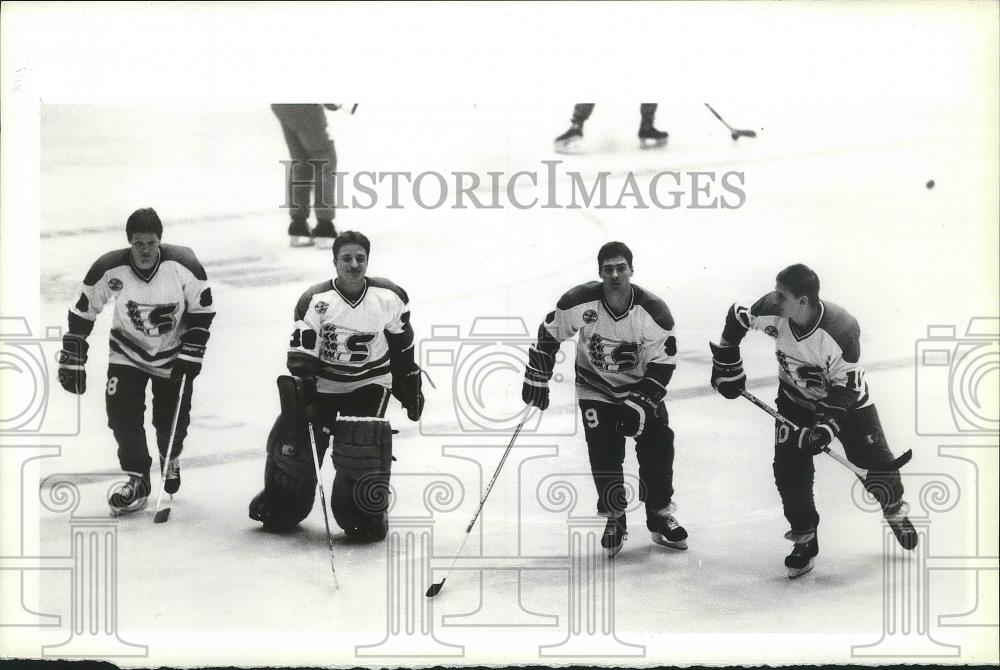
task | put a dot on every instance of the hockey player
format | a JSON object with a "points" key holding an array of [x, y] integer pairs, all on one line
{"points": [[314, 161], [822, 388], [649, 137], [352, 345], [162, 314], [625, 359]]}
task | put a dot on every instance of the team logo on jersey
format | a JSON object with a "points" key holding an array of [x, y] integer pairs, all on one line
{"points": [[590, 316], [612, 355], [321, 307], [772, 331], [152, 320], [339, 345], [115, 284]]}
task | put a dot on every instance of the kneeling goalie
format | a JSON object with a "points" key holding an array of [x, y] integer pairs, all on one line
{"points": [[352, 345]]}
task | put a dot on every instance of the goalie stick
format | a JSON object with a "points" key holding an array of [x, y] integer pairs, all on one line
{"points": [[322, 500], [161, 515], [860, 473], [435, 588], [735, 133]]}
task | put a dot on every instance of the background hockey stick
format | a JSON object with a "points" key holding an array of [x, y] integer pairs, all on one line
{"points": [[735, 133], [860, 473], [322, 501], [435, 589], [161, 515]]}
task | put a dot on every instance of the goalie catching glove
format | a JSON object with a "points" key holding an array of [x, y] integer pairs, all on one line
{"points": [[640, 406], [538, 372], [72, 358], [728, 377]]}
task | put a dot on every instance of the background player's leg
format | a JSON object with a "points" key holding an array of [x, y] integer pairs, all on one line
{"points": [[649, 136], [581, 112], [299, 186], [308, 123], [654, 449]]}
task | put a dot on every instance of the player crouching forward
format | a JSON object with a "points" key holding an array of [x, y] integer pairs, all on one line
{"points": [[351, 346], [821, 388], [624, 362], [163, 310]]}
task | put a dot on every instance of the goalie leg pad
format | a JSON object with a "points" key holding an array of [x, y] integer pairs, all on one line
{"points": [[362, 455]]}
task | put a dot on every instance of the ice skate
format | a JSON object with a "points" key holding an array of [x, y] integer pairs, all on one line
{"points": [[651, 138], [299, 234], [665, 530], [130, 496], [324, 234], [803, 555], [615, 533], [567, 142], [904, 531], [173, 481]]}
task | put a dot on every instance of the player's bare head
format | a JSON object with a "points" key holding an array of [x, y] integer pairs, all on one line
{"points": [[614, 250], [144, 220], [800, 281], [351, 237]]}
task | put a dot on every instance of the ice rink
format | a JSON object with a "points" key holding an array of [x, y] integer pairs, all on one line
{"points": [[841, 188]]}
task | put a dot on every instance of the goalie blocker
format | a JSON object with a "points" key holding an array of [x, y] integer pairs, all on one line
{"points": [[362, 456]]}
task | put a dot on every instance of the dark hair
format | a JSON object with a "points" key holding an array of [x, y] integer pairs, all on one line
{"points": [[801, 281], [612, 249], [351, 237], [144, 220]]}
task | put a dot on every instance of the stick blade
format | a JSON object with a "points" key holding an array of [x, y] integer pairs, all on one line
{"points": [[744, 133], [162, 515], [435, 588]]}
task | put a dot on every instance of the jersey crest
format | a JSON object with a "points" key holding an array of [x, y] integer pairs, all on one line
{"points": [[152, 320], [612, 355], [342, 345]]}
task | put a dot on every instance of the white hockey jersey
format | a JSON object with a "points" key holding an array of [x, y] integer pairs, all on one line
{"points": [[349, 344], [818, 368], [614, 351], [154, 309]]}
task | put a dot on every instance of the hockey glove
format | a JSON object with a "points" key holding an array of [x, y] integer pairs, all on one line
{"points": [[535, 390], [817, 437], [640, 407], [188, 362], [728, 377], [72, 358], [406, 388]]}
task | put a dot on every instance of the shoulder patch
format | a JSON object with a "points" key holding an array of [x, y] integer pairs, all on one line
{"points": [[844, 330], [579, 295], [108, 261], [655, 307], [184, 256], [382, 282], [303, 304]]}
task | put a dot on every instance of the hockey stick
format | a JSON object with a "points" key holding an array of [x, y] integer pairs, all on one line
{"points": [[161, 515], [435, 589], [322, 501], [735, 133], [860, 473]]}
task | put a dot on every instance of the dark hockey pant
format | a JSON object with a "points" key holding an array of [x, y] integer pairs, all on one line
{"points": [[864, 444], [583, 110], [654, 449], [314, 161], [125, 396]]}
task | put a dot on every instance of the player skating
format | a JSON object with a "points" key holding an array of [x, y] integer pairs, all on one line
{"points": [[649, 136], [314, 161], [625, 359], [162, 314], [822, 389], [352, 345]]}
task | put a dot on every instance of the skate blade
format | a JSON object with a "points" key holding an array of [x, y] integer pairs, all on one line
{"points": [[122, 511], [661, 540], [651, 144], [611, 552], [567, 147], [324, 242], [798, 572], [300, 241]]}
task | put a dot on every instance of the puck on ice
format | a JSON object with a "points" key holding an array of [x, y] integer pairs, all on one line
{"points": [[930, 184]]}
